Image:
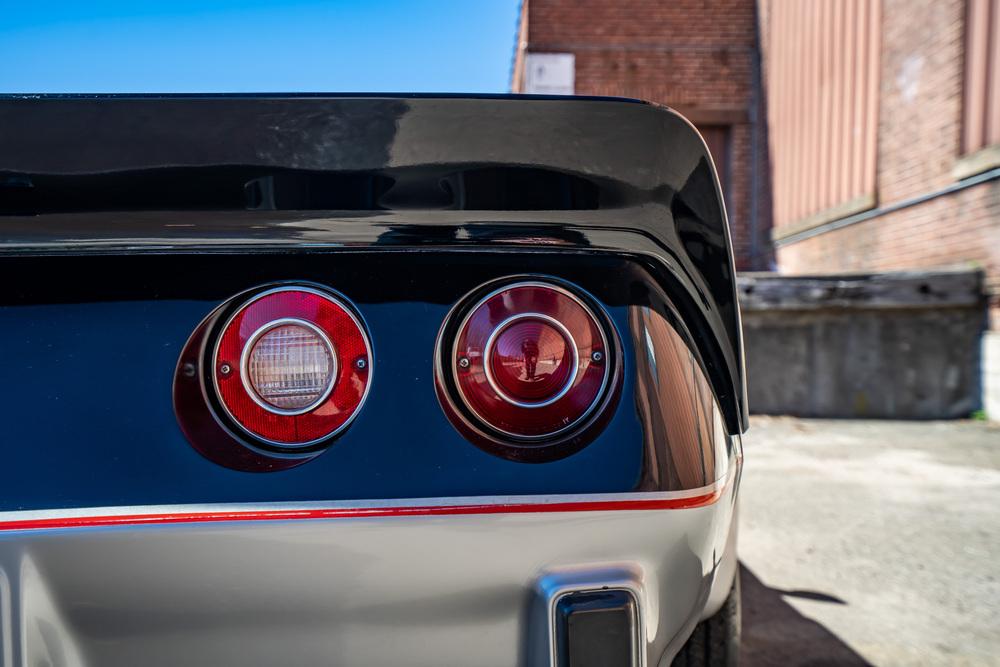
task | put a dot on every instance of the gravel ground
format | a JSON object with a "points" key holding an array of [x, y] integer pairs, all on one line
{"points": [[870, 542]]}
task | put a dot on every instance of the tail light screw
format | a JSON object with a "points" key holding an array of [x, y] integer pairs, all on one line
{"points": [[225, 369], [360, 364], [597, 356], [463, 362]]}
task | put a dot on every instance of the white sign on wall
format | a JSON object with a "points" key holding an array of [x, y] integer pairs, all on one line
{"points": [[549, 73]]}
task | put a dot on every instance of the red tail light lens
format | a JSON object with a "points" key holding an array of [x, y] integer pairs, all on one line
{"points": [[531, 360], [292, 366], [530, 363]]}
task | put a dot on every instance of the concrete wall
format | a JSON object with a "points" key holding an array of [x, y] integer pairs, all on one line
{"points": [[902, 345], [991, 375]]}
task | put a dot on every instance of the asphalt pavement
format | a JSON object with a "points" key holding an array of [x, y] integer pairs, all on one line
{"points": [[870, 542]]}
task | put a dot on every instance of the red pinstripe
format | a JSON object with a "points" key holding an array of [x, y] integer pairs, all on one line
{"points": [[360, 512]]}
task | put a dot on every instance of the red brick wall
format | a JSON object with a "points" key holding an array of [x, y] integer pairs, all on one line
{"points": [[697, 56], [919, 145]]}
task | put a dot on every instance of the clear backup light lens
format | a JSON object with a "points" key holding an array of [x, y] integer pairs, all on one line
{"points": [[291, 366]]}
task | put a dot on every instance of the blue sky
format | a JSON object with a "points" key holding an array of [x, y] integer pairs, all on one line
{"points": [[256, 46]]}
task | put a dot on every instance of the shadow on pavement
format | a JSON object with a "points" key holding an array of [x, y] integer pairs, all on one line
{"points": [[774, 633]]}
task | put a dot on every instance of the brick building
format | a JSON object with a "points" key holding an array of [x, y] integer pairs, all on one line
{"points": [[885, 122], [697, 56], [850, 135], [885, 140]]}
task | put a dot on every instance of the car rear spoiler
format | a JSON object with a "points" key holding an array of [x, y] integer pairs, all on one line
{"points": [[201, 173]]}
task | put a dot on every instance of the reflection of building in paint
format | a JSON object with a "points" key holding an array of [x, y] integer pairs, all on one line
{"points": [[676, 405]]}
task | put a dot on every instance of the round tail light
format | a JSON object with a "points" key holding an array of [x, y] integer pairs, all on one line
{"points": [[292, 366], [529, 364]]}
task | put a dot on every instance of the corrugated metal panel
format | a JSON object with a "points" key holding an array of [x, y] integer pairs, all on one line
{"points": [[822, 78], [993, 80], [981, 126]]}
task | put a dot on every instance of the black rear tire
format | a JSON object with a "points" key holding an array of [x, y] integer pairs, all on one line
{"points": [[715, 641]]}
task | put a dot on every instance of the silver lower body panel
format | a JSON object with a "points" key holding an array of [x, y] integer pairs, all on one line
{"points": [[439, 590]]}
